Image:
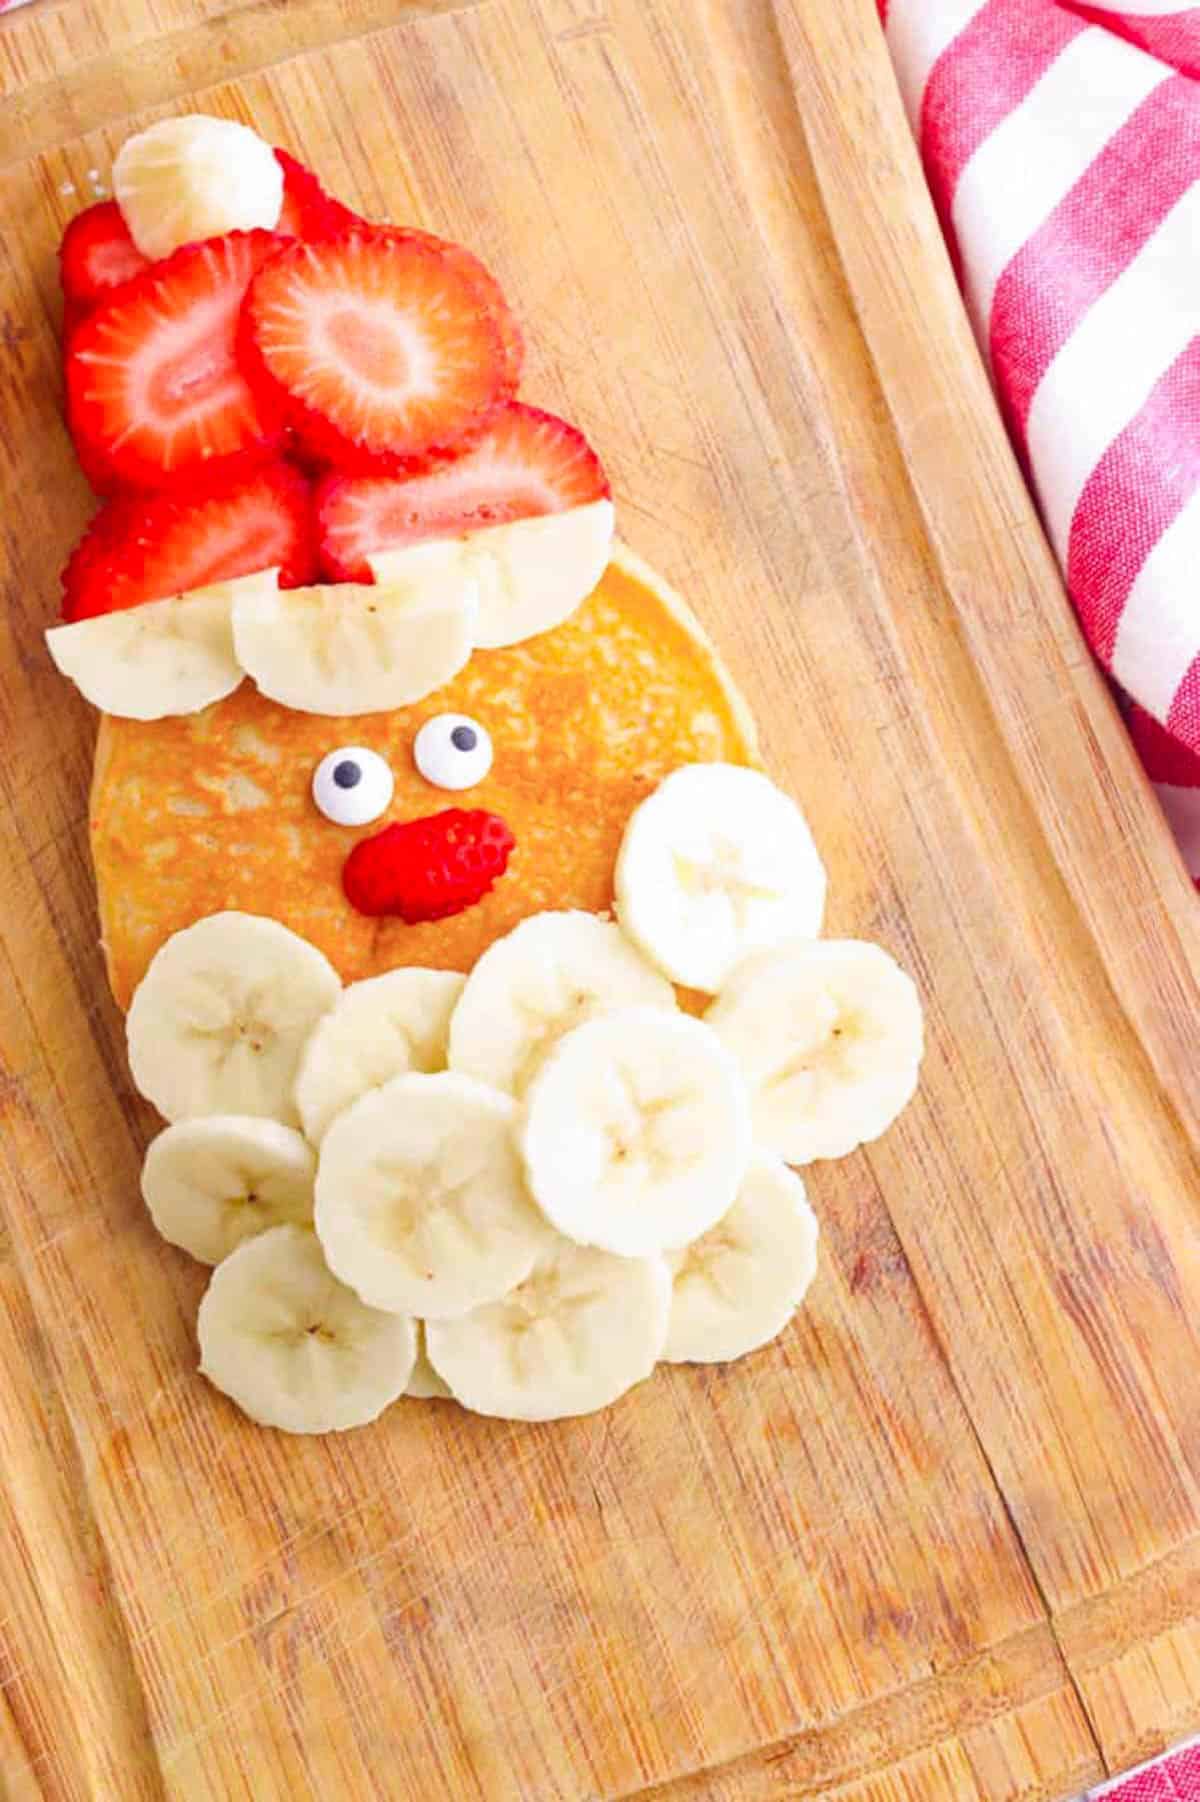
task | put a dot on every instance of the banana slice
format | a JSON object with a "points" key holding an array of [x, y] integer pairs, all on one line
{"points": [[425, 1385], [351, 648], [378, 1029], [421, 1203], [716, 863], [550, 974], [830, 1036], [292, 1346], [738, 1285], [195, 177], [220, 1018], [531, 574], [162, 658], [210, 1184], [581, 1329], [636, 1133]]}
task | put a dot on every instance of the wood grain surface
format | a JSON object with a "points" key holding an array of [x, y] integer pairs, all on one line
{"points": [[941, 1542]]}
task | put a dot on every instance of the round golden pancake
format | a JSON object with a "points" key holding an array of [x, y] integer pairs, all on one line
{"points": [[214, 810]]}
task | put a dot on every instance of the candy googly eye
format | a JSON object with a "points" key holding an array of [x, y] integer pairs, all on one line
{"points": [[453, 751], [352, 785]]}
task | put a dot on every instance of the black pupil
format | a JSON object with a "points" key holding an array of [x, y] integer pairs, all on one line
{"points": [[347, 774], [464, 738]]}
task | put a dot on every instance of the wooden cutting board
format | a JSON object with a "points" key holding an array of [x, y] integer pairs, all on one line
{"points": [[941, 1540]]}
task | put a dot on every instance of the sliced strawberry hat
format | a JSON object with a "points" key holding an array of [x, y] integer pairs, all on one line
{"points": [[385, 350], [148, 547], [97, 254], [155, 393], [527, 463]]}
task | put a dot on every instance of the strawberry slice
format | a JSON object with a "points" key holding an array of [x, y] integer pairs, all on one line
{"points": [[385, 351], [527, 462], [308, 211], [490, 289], [146, 547], [96, 255], [154, 390]]}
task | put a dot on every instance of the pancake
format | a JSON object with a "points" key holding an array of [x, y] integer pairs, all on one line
{"points": [[213, 810]]}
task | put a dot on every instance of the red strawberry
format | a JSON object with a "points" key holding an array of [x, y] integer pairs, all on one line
{"points": [[527, 462], [430, 868], [386, 352], [308, 211], [154, 391], [96, 255], [489, 287], [145, 547], [73, 312]]}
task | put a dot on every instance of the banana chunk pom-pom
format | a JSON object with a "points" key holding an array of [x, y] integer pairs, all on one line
{"points": [[523, 1189], [194, 177]]}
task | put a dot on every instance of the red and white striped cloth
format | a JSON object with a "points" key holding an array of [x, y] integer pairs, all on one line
{"points": [[1061, 142], [1173, 1779]]}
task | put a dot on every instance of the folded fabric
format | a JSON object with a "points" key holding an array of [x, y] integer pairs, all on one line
{"points": [[1061, 143], [1172, 1779]]}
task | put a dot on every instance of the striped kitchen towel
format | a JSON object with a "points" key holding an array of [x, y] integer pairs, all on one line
{"points": [[1061, 143], [1173, 1779]]}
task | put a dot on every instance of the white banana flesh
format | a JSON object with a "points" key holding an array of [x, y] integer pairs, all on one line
{"points": [[738, 1285], [218, 1022], [830, 1035], [212, 1183], [194, 177], [421, 1202], [715, 864], [293, 1347], [636, 1132], [350, 648], [161, 658], [550, 974], [581, 1329], [382, 1027], [530, 574]]}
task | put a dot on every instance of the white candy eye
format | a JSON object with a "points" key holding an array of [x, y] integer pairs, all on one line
{"points": [[352, 785], [453, 751]]}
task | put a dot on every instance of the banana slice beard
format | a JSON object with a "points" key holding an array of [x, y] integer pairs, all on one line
{"points": [[421, 1203], [738, 1285], [211, 1184], [293, 1347], [581, 1329], [636, 1132], [715, 864], [829, 1033], [380, 1028], [549, 975], [220, 1018]]}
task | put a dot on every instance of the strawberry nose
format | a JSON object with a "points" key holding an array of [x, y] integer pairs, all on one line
{"points": [[430, 868]]}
